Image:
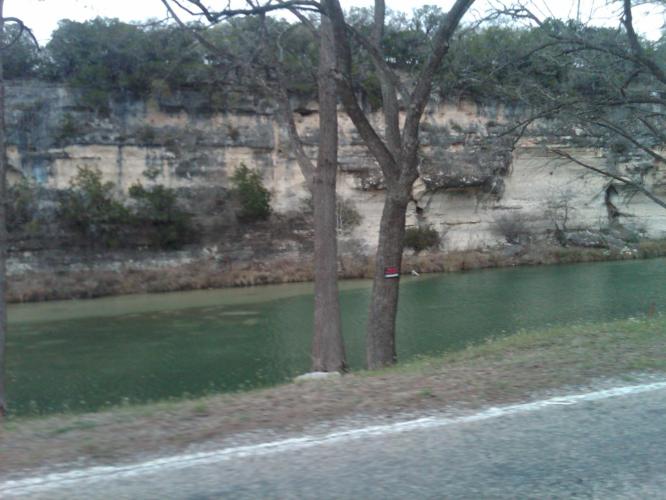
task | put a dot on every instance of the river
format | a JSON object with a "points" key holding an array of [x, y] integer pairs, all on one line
{"points": [[87, 354]]}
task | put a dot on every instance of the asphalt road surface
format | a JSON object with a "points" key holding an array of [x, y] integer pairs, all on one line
{"points": [[611, 447]]}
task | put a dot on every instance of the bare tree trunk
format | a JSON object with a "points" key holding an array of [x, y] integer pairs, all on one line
{"points": [[380, 339], [328, 352], [3, 224]]}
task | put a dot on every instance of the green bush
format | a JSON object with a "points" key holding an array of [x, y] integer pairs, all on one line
{"points": [[421, 238], [146, 135], [254, 198], [89, 208], [21, 205], [153, 217], [68, 129], [157, 214]]}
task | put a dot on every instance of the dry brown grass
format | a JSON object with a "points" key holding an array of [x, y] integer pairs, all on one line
{"points": [[207, 273]]}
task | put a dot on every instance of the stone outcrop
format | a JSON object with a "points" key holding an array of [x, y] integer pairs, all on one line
{"points": [[471, 176]]}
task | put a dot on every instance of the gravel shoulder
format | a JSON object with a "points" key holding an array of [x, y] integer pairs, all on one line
{"points": [[524, 366]]}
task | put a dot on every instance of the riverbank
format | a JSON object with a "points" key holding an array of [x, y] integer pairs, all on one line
{"points": [[519, 367], [123, 274]]}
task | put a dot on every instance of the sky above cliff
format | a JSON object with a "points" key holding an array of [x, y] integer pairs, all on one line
{"points": [[43, 15]]}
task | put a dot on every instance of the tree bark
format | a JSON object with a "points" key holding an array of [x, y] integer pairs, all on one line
{"points": [[328, 352], [380, 338], [3, 225]]}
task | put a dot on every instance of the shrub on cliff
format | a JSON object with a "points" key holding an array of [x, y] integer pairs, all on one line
{"points": [[513, 227], [421, 238], [159, 218], [153, 218], [347, 216], [89, 208], [253, 197], [21, 205]]}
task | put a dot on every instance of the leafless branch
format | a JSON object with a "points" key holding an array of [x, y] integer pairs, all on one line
{"points": [[22, 29], [379, 61], [655, 131], [421, 93], [624, 180], [629, 137], [255, 9], [286, 113], [636, 48], [306, 22]]}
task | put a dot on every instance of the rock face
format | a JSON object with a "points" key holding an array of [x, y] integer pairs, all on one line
{"points": [[474, 182]]}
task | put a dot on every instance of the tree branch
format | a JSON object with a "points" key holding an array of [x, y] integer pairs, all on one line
{"points": [[623, 180], [378, 61], [22, 29], [287, 116], [623, 133], [421, 93], [373, 141], [390, 107], [636, 48], [215, 17]]}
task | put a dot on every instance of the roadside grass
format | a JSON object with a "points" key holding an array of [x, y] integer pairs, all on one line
{"points": [[75, 425], [512, 368], [561, 345]]}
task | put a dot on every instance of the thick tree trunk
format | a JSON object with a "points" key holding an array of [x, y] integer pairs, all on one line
{"points": [[3, 225], [380, 340], [328, 352]]}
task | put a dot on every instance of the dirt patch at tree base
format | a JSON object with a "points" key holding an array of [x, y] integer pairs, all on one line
{"points": [[505, 370]]}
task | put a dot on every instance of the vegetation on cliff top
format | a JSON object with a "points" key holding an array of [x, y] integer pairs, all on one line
{"points": [[107, 58]]}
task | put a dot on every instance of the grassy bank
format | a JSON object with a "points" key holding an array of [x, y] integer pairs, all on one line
{"points": [[503, 370], [206, 273]]}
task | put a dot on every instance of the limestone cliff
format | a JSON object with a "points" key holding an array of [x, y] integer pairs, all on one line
{"points": [[473, 180]]}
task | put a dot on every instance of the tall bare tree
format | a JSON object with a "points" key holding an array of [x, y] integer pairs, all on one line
{"points": [[3, 224], [328, 352], [396, 153]]}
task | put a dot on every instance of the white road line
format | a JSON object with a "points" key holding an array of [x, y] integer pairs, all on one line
{"points": [[101, 473]]}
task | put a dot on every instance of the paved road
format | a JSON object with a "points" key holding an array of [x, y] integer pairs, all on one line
{"points": [[609, 448]]}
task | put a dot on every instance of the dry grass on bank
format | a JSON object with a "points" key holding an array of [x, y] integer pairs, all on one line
{"points": [[208, 273], [504, 370]]}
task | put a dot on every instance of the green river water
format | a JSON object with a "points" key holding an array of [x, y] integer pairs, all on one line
{"points": [[87, 354]]}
